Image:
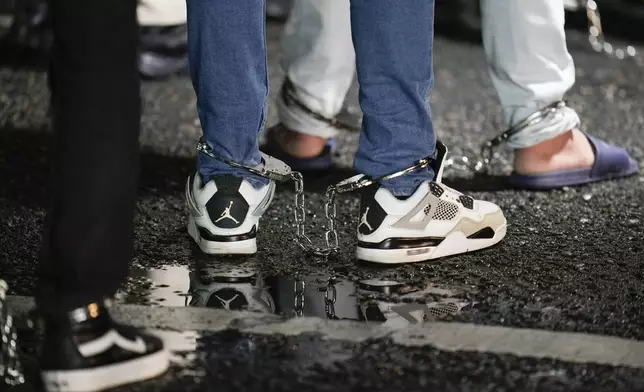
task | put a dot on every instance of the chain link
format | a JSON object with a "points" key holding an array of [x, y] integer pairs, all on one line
{"points": [[330, 211], [330, 296], [474, 163], [596, 35], [298, 306], [10, 367]]}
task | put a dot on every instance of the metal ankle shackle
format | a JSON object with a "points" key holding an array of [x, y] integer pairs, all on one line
{"points": [[487, 149]]}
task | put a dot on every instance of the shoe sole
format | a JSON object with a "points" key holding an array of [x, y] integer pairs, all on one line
{"points": [[106, 377], [244, 247], [453, 244]]}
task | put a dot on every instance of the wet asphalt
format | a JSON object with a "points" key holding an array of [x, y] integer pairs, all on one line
{"points": [[234, 361], [573, 260]]}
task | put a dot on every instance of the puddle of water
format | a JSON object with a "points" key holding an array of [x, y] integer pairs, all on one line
{"points": [[167, 286], [238, 287]]}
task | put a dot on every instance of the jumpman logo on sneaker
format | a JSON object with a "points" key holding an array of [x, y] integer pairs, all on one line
{"points": [[363, 220], [226, 303], [226, 214]]}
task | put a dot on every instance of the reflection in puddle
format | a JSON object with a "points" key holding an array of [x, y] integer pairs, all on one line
{"points": [[167, 286], [242, 287]]}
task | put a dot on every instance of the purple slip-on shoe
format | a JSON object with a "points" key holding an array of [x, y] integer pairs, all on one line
{"points": [[610, 162]]}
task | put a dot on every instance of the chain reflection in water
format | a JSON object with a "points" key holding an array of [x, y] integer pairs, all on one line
{"points": [[10, 368]]}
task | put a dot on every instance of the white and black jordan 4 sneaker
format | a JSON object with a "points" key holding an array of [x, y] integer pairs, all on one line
{"points": [[85, 350], [225, 212], [436, 221]]}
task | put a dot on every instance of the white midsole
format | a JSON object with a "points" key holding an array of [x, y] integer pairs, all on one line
{"points": [[105, 377], [213, 247], [454, 243]]}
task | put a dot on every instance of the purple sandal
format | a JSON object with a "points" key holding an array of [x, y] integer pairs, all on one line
{"points": [[321, 162], [610, 162]]}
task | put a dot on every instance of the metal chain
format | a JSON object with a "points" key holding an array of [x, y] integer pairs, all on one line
{"points": [[596, 35], [298, 306], [330, 208], [330, 211], [330, 296], [10, 367]]}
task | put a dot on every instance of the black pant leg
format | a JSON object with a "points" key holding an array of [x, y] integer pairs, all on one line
{"points": [[88, 235]]}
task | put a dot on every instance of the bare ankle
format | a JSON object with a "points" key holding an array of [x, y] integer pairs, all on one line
{"points": [[298, 144], [569, 150]]}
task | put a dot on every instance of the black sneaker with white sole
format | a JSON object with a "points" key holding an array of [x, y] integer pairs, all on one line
{"points": [[85, 350], [436, 221], [225, 212]]}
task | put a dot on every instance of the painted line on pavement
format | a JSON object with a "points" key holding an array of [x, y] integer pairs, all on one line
{"points": [[564, 346]]}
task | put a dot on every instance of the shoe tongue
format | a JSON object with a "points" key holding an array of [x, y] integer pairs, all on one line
{"points": [[437, 164]]}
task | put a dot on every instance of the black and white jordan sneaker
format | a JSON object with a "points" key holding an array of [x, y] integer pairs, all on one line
{"points": [[85, 350], [436, 221], [225, 212]]}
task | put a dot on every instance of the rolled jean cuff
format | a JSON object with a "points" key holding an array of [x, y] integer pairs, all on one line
{"points": [[296, 119], [209, 167], [408, 184], [557, 123]]}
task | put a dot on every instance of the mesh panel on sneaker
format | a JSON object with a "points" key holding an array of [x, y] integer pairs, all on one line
{"points": [[466, 201], [445, 211], [436, 189], [427, 209]]}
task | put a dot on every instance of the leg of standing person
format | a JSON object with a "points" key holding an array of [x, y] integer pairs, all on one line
{"points": [[406, 219], [88, 235], [319, 62], [525, 43], [412, 217], [227, 56]]}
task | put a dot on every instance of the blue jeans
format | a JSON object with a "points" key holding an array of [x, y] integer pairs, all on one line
{"points": [[393, 45]]}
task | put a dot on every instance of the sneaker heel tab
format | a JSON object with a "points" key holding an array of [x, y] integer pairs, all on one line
{"points": [[437, 163]]}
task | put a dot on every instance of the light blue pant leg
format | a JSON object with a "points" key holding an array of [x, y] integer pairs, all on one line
{"points": [[393, 43], [227, 54]]}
